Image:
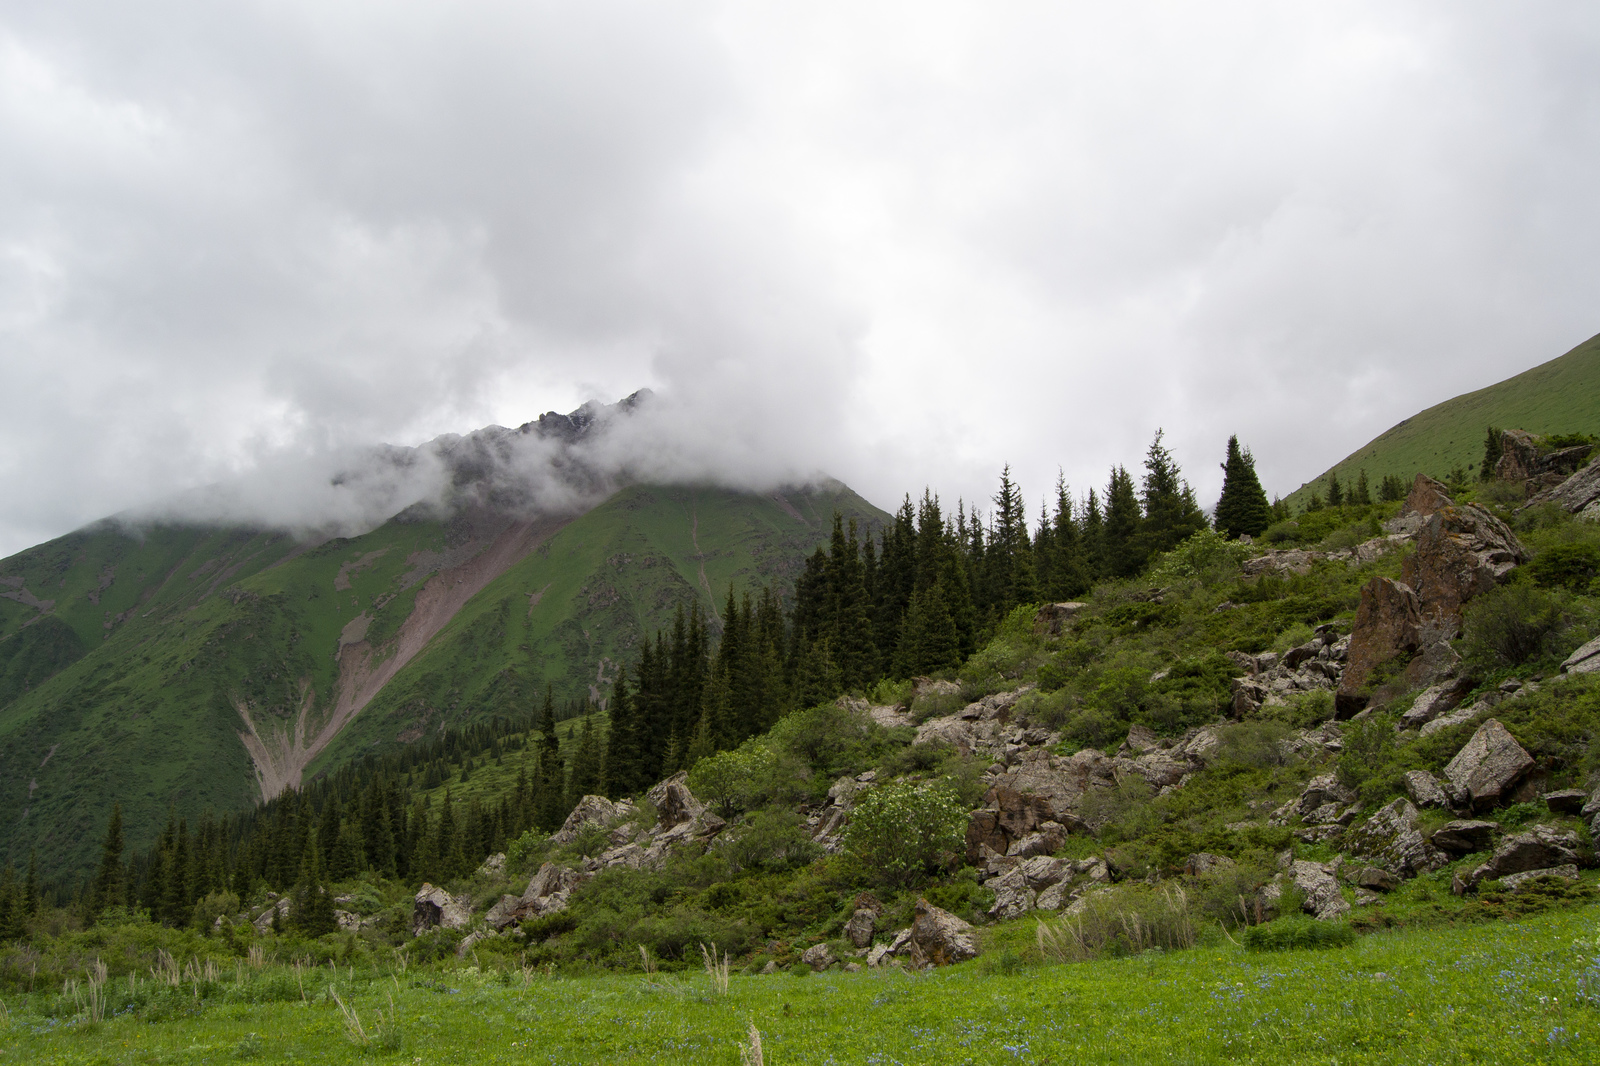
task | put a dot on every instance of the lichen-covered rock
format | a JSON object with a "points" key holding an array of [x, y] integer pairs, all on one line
{"points": [[1320, 792], [1586, 660], [1201, 863], [594, 811], [1323, 900], [1513, 882], [1434, 701], [503, 913], [818, 956], [1566, 800], [673, 802], [939, 938], [1425, 790], [1390, 837], [859, 929], [1388, 623], [1462, 552], [1578, 494], [1052, 618], [1488, 766]]}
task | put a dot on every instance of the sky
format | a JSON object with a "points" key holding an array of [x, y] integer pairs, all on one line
{"points": [[900, 243]]}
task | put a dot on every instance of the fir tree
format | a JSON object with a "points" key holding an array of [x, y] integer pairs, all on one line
{"points": [[622, 753], [1361, 495], [1171, 514], [1335, 491], [1069, 566], [552, 771], [110, 880], [585, 765], [1493, 448], [1243, 509], [313, 903], [13, 924], [1120, 533], [30, 887]]}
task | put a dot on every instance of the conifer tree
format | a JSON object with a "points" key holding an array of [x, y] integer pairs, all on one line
{"points": [[1243, 509], [552, 771], [30, 887], [110, 880], [1335, 491], [1094, 541], [1171, 514], [13, 925], [622, 753], [1120, 533], [929, 641], [585, 765], [313, 904], [1493, 447], [1070, 567], [1361, 495], [854, 650]]}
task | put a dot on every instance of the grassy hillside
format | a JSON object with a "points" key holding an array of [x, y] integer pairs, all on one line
{"points": [[1561, 396], [128, 660]]}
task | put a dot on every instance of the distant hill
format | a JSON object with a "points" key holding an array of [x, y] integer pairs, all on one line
{"points": [[207, 667], [1561, 396]]}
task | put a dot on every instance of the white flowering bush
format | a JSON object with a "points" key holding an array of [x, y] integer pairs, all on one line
{"points": [[904, 831], [734, 781]]}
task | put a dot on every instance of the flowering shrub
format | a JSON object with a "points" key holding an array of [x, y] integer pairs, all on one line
{"points": [[904, 831]]}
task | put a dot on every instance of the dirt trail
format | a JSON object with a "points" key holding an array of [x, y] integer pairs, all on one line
{"points": [[282, 756]]}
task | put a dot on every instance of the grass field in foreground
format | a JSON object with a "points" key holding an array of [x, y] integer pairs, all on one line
{"points": [[1497, 993]]}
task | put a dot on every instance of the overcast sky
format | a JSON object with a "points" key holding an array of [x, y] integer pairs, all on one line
{"points": [[904, 243]]}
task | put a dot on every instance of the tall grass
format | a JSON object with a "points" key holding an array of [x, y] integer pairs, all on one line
{"points": [[1123, 921]]}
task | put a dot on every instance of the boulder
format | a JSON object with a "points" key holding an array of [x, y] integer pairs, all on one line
{"points": [[1202, 863], [548, 890], [1323, 900], [1434, 701], [279, 909], [1464, 837], [1488, 766], [1461, 715], [1514, 882], [1425, 790], [436, 908], [594, 811], [1321, 791], [862, 924], [1426, 497], [818, 956], [1586, 660], [1052, 618], [1376, 879], [939, 938], [1390, 837], [1566, 800], [1519, 456], [503, 913], [1462, 551], [349, 921], [1248, 696], [673, 802], [1388, 624], [493, 866], [1539, 848], [1045, 840]]}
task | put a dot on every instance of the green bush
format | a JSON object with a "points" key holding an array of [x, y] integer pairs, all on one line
{"points": [[1298, 931], [1511, 625], [1569, 566], [734, 781], [773, 840], [902, 832]]}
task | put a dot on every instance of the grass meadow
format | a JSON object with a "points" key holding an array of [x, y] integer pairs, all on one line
{"points": [[1502, 992]]}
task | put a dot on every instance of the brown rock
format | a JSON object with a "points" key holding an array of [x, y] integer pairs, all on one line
{"points": [[1426, 497], [1388, 623], [939, 938], [1539, 848], [1519, 456], [1489, 765], [1461, 552]]}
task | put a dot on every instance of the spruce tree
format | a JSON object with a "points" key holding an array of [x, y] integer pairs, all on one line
{"points": [[13, 925], [1069, 567], [1492, 449], [1120, 533], [313, 903], [110, 880], [1171, 514], [552, 770], [1243, 509], [30, 887], [585, 765], [1335, 491], [1361, 495], [622, 753]]}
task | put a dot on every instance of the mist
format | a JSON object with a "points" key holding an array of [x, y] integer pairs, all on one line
{"points": [[259, 262]]}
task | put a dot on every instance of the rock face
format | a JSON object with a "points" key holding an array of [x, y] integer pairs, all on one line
{"points": [[436, 908], [1388, 624], [1321, 792], [1424, 790], [939, 938], [1391, 839], [1522, 460], [1540, 848], [1323, 900], [1488, 766]]}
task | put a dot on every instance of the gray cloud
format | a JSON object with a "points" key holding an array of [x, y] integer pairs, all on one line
{"points": [[241, 243]]}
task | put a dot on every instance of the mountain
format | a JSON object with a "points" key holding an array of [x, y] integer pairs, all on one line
{"points": [[195, 665], [1561, 396]]}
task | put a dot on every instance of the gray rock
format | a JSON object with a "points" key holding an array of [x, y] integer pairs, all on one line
{"points": [[859, 929], [1464, 837], [1539, 848], [939, 938], [1489, 765], [770, 967], [436, 908], [1435, 701], [1566, 800], [1377, 879], [673, 801], [1578, 494], [1052, 618], [590, 811], [1586, 660], [1425, 790], [1391, 838], [1323, 900], [1513, 882], [818, 956], [1320, 792], [1046, 839], [1202, 863], [1477, 710], [493, 866]]}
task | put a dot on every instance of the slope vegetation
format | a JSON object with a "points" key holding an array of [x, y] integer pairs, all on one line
{"points": [[1561, 396]]}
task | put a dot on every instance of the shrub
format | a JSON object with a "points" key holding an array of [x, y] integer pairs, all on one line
{"points": [[734, 781], [773, 840], [1511, 625], [1208, 556], [1298, 931], [902, 832], [1570, 566], [1253, 743]]}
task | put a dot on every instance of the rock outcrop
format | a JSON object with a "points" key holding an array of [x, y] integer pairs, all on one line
{"points": [[1539, 848], [1462, 551], [1463, 837], [1538, 469], [1578, 494], [939, 938], [436, 908], [673, 802], [1390, 838], [592, 811], [1586, 660], [1488, 766], [1053, 618], [1388, 624]]}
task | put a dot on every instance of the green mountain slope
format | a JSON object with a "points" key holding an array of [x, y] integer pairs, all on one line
{"points": [[1561, 396], [203, 668]]}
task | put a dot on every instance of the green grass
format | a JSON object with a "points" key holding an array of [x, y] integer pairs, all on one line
{"points": [[1561, 396], [1498, 993]]}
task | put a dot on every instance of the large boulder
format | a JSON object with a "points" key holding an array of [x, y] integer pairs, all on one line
{"points": [[1522, 459], [939, 938], [673, 802], [1390, 838], [436, 908], [1320, 792], [1578, 494], [1539, 848], [862, 924], [594, 811], [1463, 837], [1323, 899], [1488, 766], [1434, 701], [1388, 624], [1424, 789], [1514, 882], [1462, 552], [818, 956]]}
